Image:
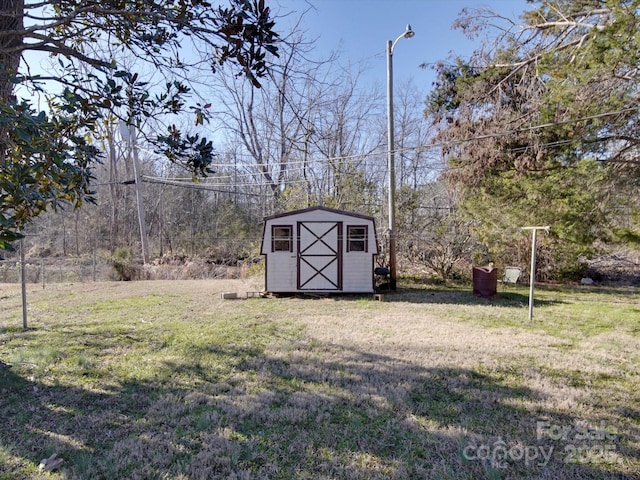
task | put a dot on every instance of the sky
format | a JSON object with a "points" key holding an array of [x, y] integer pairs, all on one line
{"points": [[360, 29]]}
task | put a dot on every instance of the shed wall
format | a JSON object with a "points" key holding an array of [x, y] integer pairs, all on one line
{"points": [[282, 266]]}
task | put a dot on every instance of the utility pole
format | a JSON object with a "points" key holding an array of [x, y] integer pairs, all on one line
{"points": [[23, 284], [532, 276], [408, 33], [128, 133]]}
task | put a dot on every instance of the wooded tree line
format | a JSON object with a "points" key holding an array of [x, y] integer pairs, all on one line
{"points": [[537, 127], [553, 105]]}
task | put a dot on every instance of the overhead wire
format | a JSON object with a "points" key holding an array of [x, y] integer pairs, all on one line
{"points": [[374, 159]]}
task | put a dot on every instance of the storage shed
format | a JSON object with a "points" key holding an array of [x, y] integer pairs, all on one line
{"points": [[319, 250]]}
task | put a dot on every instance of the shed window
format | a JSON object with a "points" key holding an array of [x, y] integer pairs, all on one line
{"points": [[282, 238], [357, 238]]}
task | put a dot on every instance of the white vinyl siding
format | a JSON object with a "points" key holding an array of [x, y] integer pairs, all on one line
{"points": [[283, 268]]}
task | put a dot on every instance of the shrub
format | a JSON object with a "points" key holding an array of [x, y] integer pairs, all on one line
{"points": [[123, 264]]}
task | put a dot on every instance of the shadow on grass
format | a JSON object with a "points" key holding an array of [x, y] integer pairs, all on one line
{"points": [[312, 411], [507, 295], [448, 296], [453, 296], [619, 291]]}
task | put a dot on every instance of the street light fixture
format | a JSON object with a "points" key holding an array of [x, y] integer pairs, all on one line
{"points": [[408, 33]]}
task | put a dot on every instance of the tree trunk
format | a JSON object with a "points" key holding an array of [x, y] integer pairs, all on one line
{"points": [[11, 40]]}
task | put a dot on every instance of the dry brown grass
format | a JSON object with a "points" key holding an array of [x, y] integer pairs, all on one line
{"points": [[165, 380]]}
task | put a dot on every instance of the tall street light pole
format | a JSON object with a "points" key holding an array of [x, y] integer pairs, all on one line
{"points": [[408, 33]]}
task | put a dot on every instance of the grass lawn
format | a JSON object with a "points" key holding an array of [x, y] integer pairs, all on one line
{"points": [[164, 380]]}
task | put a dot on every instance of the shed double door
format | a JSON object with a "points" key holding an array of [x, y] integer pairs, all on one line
{"points": [[319, 255]]}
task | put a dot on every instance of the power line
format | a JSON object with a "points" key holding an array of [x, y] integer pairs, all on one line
{"points": [[383, 153], [196, 186], [374, 159]]}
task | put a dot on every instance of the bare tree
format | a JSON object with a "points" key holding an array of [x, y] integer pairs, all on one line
{"points": [[441, 235], [272, 123]]}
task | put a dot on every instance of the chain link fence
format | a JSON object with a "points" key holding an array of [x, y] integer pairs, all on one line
{"points": [[89, 268], [58, 270]]}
